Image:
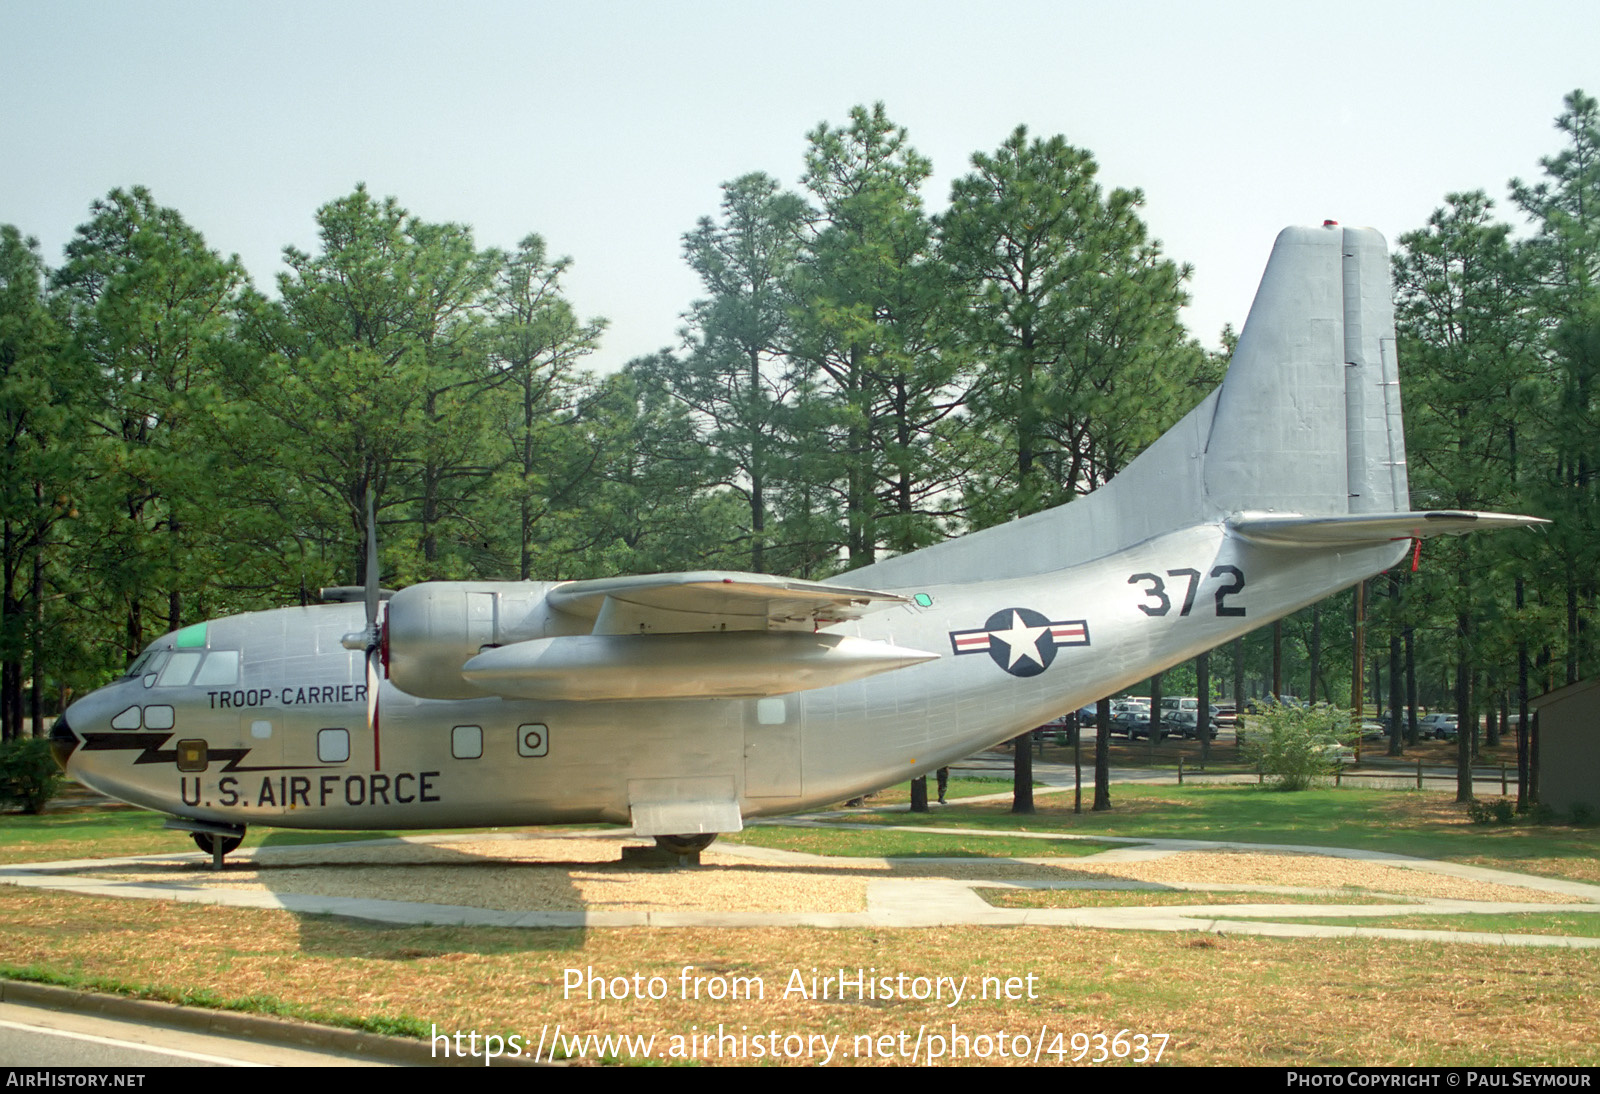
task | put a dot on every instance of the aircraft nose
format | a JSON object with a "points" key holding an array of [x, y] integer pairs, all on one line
{"points": [[63, 741]]}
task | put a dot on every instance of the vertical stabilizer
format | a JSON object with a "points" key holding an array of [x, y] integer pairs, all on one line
{"points": [[1305, 424], [1308, 420]]}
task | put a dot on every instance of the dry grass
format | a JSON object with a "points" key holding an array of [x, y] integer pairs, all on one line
{"points": [[1224, 1001], [1318, 871]]}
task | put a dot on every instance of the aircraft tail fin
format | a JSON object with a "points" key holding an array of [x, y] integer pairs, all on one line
{"points": [[1305, 424], [1308, 419]]}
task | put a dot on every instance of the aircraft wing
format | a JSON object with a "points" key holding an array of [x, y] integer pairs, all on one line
{"points": [[1298, 531], [712, 600], [694, 635]]}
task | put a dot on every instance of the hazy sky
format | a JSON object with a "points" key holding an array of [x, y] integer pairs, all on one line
{"points": [[609, 127]]}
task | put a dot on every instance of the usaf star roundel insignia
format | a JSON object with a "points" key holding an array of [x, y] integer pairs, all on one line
{"points": [[1020, 640]]}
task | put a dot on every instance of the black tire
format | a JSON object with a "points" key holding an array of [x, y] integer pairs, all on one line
{"points": [[204, 841], [686, 845]]}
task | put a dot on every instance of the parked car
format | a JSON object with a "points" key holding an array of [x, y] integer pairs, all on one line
{"points": [[1130, 722], [1441, 727], [1186, 723]]}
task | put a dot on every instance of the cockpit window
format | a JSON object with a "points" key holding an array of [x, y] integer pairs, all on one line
{"points": [[158, 658], [142, 662], [221, 669], [178, 670]]}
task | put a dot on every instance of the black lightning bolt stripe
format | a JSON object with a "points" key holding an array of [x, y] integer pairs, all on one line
{"points": [[152, 752]]}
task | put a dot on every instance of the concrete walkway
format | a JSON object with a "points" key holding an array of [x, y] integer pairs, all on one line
{"points": [[908, 902]]}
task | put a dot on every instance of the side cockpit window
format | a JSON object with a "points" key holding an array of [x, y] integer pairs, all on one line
{"points": [[179, 669], [220, 669], [200, 668]]}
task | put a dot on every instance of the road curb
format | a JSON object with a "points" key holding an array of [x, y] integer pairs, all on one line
{"points": [[256, 1027]]}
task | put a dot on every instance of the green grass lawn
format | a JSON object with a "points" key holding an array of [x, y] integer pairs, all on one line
{"points": [[111, 831], [1407, 822], [1578, 925]]}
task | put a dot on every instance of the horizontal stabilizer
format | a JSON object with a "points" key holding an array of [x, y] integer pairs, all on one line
{"points": [[712, 601], [594, 667], [1356, 530]]}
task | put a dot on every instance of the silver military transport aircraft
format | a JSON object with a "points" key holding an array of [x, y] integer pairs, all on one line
{"points": [[681, 704]]}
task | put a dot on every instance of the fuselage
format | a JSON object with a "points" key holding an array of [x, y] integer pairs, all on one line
{"points": [[262, 718]]}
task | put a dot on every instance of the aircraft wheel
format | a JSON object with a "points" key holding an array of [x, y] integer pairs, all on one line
{"points": [[205, 841], [686, 845]]}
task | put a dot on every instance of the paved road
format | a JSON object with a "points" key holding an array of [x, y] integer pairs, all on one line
{"points": [[36, 1035]]}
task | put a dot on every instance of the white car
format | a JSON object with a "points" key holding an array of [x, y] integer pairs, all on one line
{"points": [[1441, 727]]}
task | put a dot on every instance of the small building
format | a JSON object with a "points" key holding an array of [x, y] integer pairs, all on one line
{"points": [[1567, 727]]}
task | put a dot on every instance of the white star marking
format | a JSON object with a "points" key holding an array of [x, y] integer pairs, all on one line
{"points": [[1022, 640]]}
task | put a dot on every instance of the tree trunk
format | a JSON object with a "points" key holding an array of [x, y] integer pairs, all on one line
{"points": [[1394, 668], [1316, 652], [1463, 706], [1155, 711], [1102, 756], [1411, 687], [1022, 773]]}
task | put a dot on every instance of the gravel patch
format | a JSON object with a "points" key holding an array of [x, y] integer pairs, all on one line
{"points": [[1311, 871], [584, 873]]}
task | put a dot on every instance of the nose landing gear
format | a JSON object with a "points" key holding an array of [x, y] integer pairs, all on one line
{"points": [[215, 840]]}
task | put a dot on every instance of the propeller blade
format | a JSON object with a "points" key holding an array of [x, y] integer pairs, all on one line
{"points": [[374, 634], [373, 681], [372, 569]]}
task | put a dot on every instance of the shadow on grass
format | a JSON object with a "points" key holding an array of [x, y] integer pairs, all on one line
{"points": [[438, 875]]}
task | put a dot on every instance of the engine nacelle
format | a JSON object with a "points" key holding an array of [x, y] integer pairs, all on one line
{"points": [[436, 627]]}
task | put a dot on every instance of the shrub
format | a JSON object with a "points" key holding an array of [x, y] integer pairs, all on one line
{"points": [[1493, 811], [29, 775], [1296, 746]]}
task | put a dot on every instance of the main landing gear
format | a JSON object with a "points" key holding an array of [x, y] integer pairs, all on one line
{"points": [[686, 845]]}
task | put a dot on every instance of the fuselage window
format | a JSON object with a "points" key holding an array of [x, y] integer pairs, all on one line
{"points": [[466, 742], [221, 669], [178, 670], [128, 719], [333, 745], [533, 740], [158, 717]]}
